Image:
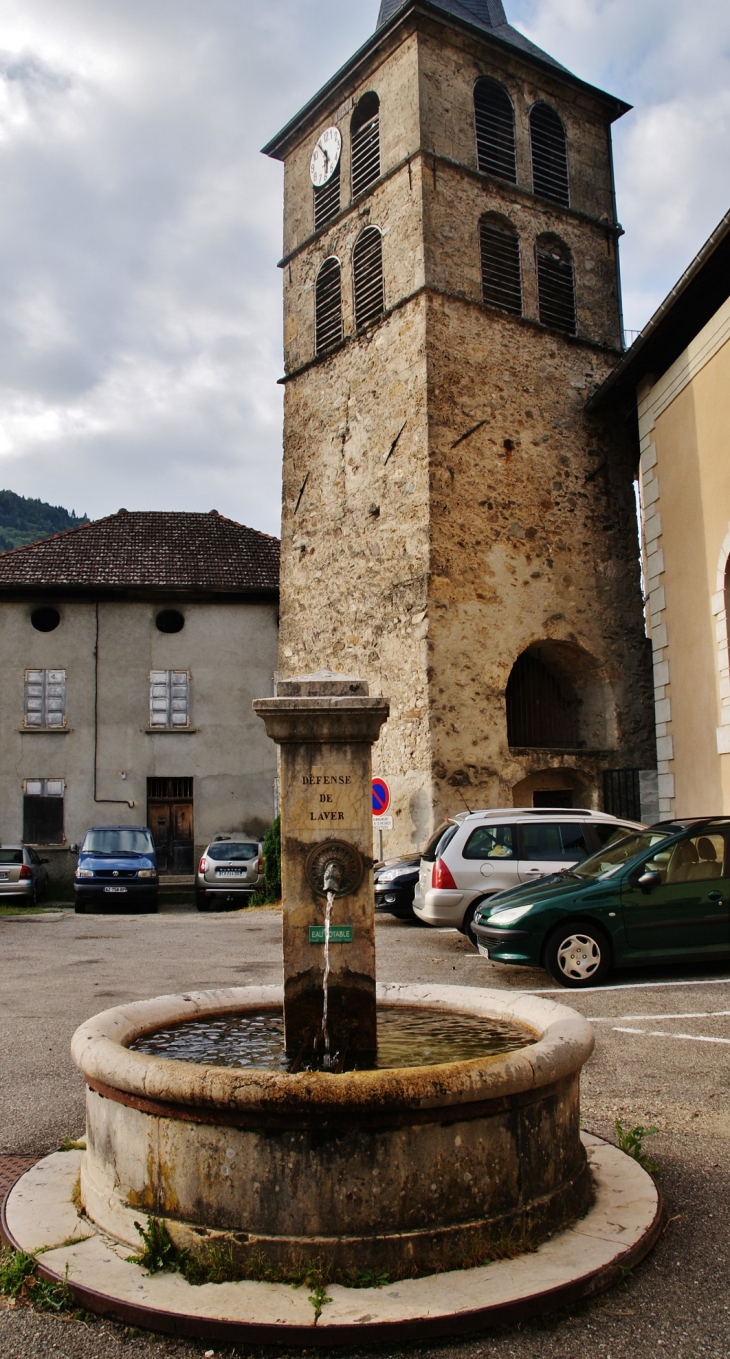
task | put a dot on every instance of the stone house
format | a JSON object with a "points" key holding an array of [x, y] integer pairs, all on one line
{"points": [[673, 386], [457, 528], [133, 647]]}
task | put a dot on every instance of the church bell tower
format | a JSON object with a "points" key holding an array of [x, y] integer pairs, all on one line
{"points": [[457, 529]]}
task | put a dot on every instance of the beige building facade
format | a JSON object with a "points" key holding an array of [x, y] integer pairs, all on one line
{"points": [[456, 528], [678, 375], [133, 648]]}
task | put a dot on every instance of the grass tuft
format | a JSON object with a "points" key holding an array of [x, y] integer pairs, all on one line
{"points": [[631, 1140], [159, 1253], [19, 1281]]}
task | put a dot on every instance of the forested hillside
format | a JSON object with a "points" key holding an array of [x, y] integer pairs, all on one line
{"points": [[26, 521]]}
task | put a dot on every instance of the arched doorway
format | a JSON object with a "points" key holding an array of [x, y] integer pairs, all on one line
{"points": [[558, 698]]}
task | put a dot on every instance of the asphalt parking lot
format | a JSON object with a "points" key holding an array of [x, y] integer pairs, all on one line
{"points": [[662, 1059]]}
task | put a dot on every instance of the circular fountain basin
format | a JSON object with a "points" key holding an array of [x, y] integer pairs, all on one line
{"points": [[401, 1171]]}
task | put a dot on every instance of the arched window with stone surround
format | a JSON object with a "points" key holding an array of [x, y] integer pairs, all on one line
{"points": [[721, 610], [555, 284], [367, 275], [549, 148], [495, 127], [365, 143], [328, 322], [499, 249]]}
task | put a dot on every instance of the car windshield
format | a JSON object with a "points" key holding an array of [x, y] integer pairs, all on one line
{"points": [[228, 850], [125, 840], [11, 856], [609, 860]]}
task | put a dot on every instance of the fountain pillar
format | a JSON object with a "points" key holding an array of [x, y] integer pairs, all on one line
{"points": [[325, 726]]}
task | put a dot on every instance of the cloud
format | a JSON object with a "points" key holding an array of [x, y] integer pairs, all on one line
{"points": [[140, 227]]}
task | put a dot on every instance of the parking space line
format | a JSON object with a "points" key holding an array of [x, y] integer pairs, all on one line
{"points": [[698, 1014], [688, 1037], [623, 986]]}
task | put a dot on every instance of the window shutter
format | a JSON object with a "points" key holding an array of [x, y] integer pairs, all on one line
{"points": [[169, 698], [329, 328], [549, 155], [501, 272], [327, 200], [365, 144], [556, 286], [45, 698], [495, 124], [367, 263]]}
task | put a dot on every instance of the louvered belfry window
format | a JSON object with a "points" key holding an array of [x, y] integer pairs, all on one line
{"points": [[327, 200], [501, 273], [328, 306], [556, 285], [549, 155], [367, 268], [365, 144], [495, 123]]}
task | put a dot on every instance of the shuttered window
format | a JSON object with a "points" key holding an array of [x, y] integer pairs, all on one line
{"points": [[556, 285], [43, 811], [327, 200], [549, 155], [45, 698], [169, 698], [365, 144], [367, 268], [500, 256], [495, 123], [328, 306]]}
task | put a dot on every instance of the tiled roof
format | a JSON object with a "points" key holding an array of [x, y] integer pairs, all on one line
{"points": [[488, 14], [149, 549]]}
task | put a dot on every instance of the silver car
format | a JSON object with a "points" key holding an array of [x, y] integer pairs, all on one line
{"points": [[231, 869], [477, 854], [23, 876]]}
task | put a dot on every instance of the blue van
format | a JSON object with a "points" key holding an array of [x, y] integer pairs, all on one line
{"points": [[117, 867]]}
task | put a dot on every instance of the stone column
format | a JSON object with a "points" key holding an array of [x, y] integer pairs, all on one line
{"points": [[326, 726]]}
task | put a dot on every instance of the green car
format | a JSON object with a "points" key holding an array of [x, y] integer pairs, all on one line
{"points": [[660, 896]]}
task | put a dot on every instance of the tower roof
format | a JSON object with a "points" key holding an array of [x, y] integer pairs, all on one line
{"points": [[484, 14]]}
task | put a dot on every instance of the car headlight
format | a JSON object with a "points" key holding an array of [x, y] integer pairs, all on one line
{"points": [[389, 875], [146, 873], [84, 872], [509, 914]]}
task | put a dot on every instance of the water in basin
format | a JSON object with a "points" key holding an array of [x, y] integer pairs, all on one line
{"points": [[408, 1036]]}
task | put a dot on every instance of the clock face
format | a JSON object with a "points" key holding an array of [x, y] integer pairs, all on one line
{"points": [[326, 157]]}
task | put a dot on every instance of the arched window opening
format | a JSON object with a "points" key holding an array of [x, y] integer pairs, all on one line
{"points": [[549, 155], [327, 200], [365, 144], [329, 329], [369, 286], [556, 284], [500, 258], [495, 123], [558, 698]]}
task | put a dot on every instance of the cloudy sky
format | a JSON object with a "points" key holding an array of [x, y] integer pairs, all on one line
{"points": [[140, 227]]}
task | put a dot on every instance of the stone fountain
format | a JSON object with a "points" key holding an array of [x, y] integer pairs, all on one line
{"points": [[415, 1175]]}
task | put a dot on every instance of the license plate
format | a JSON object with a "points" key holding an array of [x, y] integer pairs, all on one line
{"points": [[231, 873], [483, 950], [115, 889]]}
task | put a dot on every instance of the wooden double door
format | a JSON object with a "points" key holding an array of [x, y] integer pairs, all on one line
{"points": [[170, 818]]}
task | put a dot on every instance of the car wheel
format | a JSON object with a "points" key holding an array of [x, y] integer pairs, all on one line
{"points": [[79, 907], [578, 955], [201, 902], [468, 921]]}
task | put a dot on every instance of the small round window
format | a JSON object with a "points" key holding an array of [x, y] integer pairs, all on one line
{"points": [[45, 619], [170, 620]]}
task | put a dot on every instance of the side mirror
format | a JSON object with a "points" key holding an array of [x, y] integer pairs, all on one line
{"points": [[45, 861], [73, 848], [649, 880]]}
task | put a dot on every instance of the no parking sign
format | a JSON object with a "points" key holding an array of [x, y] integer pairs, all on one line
{"points": [[381, 797]]}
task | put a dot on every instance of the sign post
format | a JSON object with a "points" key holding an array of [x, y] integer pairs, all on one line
{"points": [[381, 803]]}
